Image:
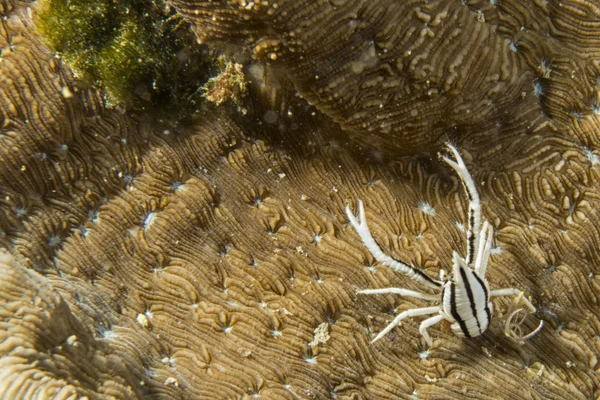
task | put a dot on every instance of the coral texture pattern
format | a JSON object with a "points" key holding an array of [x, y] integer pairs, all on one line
{"points": [[217, 261], [401, 76]]}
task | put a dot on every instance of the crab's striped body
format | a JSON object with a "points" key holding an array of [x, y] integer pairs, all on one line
{"points": [[465, 302], [465, 294]]}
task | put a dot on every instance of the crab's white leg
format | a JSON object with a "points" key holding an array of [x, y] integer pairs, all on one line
{"points": [[483, 252], [474, 203], [426, 324], [365, 235], [402, 292], [513, 292], [405, 314]]}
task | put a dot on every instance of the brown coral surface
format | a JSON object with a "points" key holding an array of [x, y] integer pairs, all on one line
{"points": [[217, 262], [402, 76]]}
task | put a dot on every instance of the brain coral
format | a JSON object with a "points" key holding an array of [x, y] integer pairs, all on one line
{"points": [[401, 75], [217, 262]]}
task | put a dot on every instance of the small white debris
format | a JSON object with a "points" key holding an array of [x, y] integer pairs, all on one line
{"points": [[424, 354], [430, 380], [244, 352], [171, 381], [311, 360], [321, 335], [304, 197], [570, 364], [142, 320], [538, 90], [480, 16], [541, 371], [486, 351], [496, 251], [460, 226], [149, 220], [72, 341], [427, 209], [592, 158], [66, 92]]}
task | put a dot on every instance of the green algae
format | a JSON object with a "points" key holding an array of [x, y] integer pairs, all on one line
{"points": [[139, 51]]}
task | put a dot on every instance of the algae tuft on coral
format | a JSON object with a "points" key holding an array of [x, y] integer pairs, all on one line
{"points": [[139, 51]]}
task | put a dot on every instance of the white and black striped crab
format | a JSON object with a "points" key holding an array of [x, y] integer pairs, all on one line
{"points": [[465, 293]]}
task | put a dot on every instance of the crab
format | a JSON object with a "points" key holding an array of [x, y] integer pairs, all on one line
{"points": [[464, 296]]}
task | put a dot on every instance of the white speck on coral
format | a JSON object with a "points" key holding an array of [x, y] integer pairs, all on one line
{"points": [[538, 90], [321, 335], [149, 220], [54, 240], [496, 250], [93, 216], [142, 320], [424, 354], [420, 236], [317, 238], [460, 226], [159, 270], [311, 360], [84, 231], [127, 178], [109, 335], [171, 381], [592, 158], [227, 330], [513, 47], [276, 334], [427, 209]]}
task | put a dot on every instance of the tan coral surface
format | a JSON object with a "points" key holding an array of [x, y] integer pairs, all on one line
{"points": [[142, 262], [402, 76]]}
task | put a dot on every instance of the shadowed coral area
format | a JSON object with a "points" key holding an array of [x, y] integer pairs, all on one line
{"points": [[403, 76], [217, 262]]}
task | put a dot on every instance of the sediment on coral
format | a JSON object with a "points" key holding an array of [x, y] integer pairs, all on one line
{"points": [[204, 263]]}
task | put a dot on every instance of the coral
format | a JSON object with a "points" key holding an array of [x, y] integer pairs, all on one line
{"points": [[140, 51], [401, 77], [217, 262]]}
